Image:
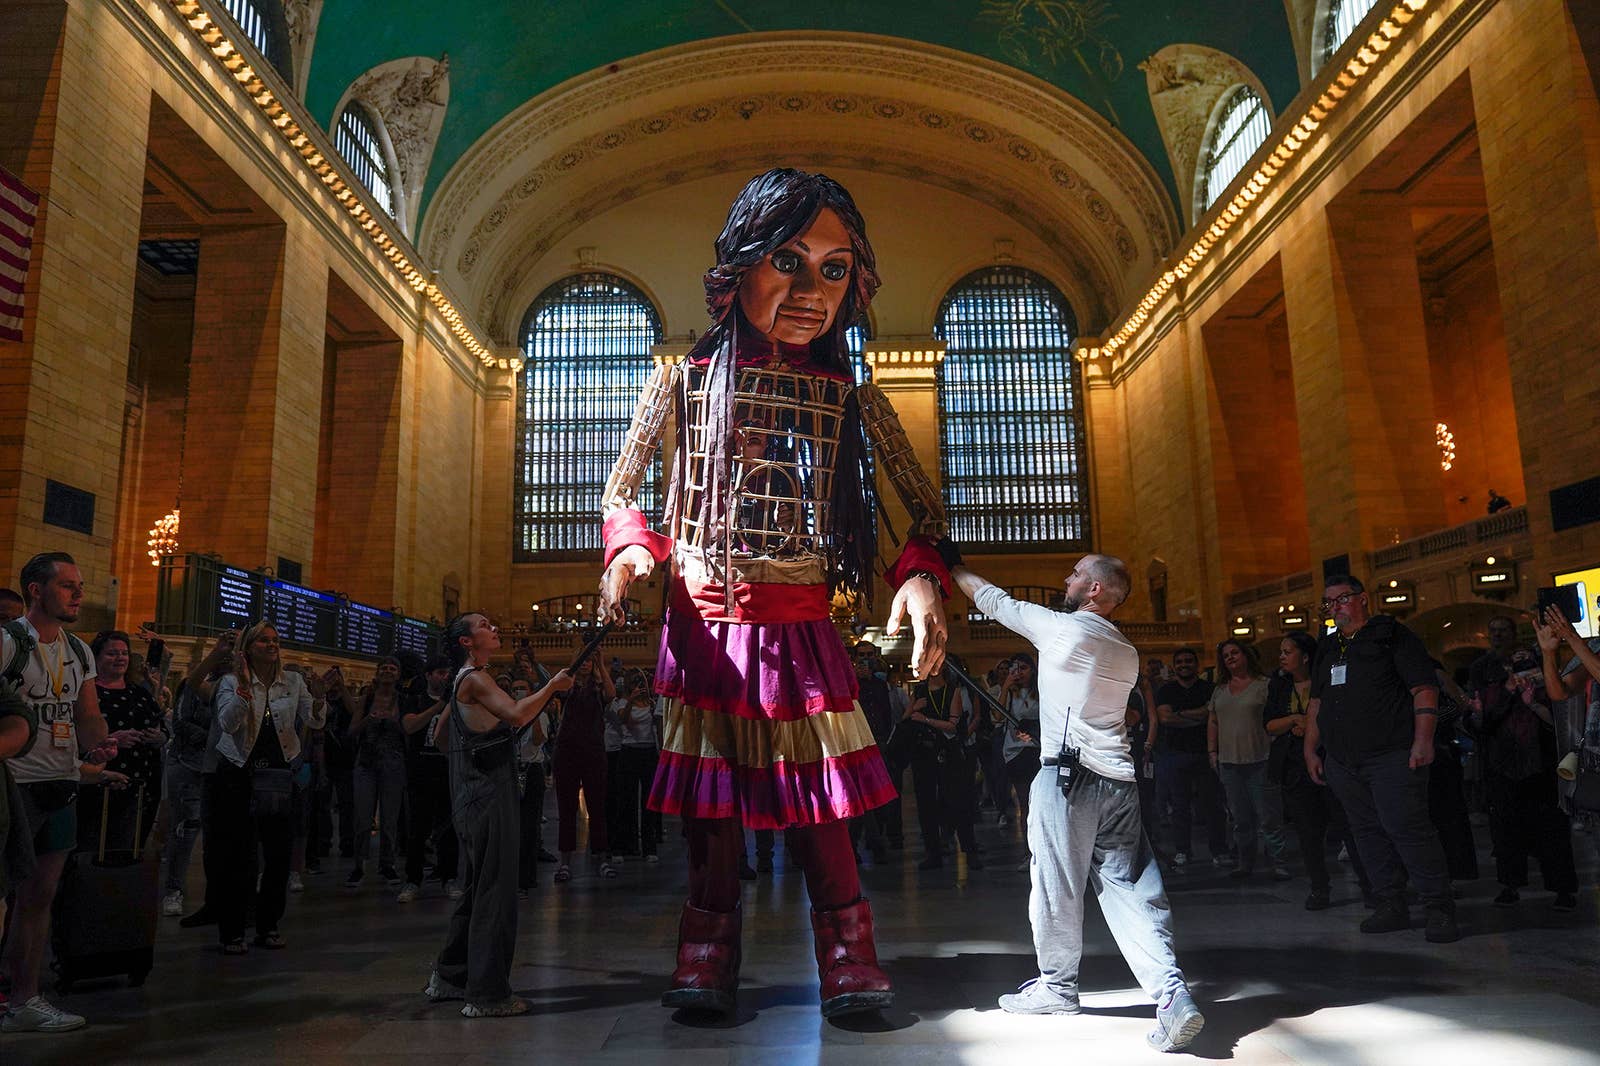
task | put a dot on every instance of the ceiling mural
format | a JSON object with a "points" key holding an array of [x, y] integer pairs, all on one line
{"points": [[505, 52]]}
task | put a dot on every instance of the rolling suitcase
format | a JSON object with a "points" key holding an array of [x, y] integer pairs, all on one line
{"points": [[107, 908]]}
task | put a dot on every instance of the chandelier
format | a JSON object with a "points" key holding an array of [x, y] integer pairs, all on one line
{"points": [[163, 537], [1447, 445]]}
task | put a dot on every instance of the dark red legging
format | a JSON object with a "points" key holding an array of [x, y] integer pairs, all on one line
{"points": [[823, 852], [585, 770]]}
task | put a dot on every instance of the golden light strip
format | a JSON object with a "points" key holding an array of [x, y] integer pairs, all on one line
{"points": [[216, 39], [1355, 71]]}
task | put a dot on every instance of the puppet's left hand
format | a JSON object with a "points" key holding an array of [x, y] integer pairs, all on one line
{"points": [[919, 597]]}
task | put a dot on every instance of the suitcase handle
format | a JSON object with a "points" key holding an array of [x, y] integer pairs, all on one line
{"points": [[105, 819]]}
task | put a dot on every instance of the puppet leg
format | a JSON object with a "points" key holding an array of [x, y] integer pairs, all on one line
{"points": [[707, 975], [841, 922]]}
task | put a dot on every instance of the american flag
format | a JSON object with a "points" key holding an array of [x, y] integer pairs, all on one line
{"points": [[19, 207]]}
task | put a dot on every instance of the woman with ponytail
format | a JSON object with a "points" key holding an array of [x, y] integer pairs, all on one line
{"points": [[484, 724], [260, 708], [769, 513]]}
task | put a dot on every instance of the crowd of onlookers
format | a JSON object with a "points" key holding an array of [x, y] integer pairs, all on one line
{"points": [[280, 768]]}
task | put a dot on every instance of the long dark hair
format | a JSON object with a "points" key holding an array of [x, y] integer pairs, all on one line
{"points": [[769, 212], [1305, 642]]}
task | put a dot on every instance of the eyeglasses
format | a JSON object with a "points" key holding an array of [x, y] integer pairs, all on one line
{"points": [[1339, 601]]}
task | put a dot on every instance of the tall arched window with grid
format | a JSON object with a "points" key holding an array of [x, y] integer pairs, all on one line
{"points": [[1343, 18], [265, 27], [356, 137], [586, 344], [1242, 126], [1011, 432]]}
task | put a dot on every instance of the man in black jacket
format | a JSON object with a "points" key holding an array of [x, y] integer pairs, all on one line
{"points": [[1374, 708]]}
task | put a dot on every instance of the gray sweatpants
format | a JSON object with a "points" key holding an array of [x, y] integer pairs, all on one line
{"points": [[1096, 841]]}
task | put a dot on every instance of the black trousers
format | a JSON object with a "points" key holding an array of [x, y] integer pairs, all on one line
{"points": [[1447, 809], [232, 835], [1317, 816], [638, 827], [944, 798], [1021, 771], [530, 826], [1185, 781], [1387, 804], [1525, 819], [427, 814]]}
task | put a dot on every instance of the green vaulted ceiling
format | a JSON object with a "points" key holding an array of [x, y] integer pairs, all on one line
{"points": [[504, 52]]}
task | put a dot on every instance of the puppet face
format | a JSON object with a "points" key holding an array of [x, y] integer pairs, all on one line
{"points": [[794, 294]]}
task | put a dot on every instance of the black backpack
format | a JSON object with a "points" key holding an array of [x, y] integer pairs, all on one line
{"points": [[22, 645]]}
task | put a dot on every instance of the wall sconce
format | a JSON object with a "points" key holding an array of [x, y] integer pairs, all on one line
{"points": [[1243, 628], [1291, 617]]}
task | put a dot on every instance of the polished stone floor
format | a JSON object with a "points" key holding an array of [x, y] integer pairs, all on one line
{"points": [[1277, 984]]}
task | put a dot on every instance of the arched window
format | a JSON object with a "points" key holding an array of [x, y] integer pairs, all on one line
{"points": [[1343, 18], [1011, 435], [1241, 126], [586, 342], [264, 26], [355, 135]]}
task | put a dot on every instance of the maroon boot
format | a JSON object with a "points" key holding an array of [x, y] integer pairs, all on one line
{"points": [[847, 961], [708, 961]]}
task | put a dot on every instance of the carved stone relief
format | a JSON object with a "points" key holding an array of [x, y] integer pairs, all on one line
{"points": [[1185, 83], [410, 96], [301, 17]]}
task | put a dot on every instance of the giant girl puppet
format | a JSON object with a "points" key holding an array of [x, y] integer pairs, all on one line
{"points": [[768, 513]]}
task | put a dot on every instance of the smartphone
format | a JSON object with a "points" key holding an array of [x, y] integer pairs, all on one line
{"points": [[1564, 597]]}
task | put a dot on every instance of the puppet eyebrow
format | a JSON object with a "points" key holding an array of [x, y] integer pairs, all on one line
{"points": [[804, 247]]}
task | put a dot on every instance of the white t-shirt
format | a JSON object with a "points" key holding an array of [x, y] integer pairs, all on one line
{"points": [[1085, 664], [51, 681]]}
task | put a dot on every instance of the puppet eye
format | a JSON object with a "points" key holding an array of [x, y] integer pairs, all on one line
{"points": [[835, 270], [785, 261]]}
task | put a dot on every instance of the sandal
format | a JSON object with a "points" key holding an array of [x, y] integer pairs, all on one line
{"points": [[563, 873], [235, 947], [273, 941]]}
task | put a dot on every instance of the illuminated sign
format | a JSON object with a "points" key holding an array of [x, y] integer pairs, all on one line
{"points": [[1397, 596], [1494, 579]]}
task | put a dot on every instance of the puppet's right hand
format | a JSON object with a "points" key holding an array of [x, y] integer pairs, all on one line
{"points": [[631, 564]]}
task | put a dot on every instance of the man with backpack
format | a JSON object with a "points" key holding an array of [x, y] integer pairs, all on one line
{"points": [[53, 672]]}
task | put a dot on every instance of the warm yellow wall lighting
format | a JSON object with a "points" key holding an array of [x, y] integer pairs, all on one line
{"points": [[1255, 187]]}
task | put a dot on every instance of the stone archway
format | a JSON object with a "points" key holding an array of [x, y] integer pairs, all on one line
{"points": [[889, 106]]}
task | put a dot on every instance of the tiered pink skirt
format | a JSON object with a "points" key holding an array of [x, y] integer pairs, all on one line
{"points": [[762, 724]]}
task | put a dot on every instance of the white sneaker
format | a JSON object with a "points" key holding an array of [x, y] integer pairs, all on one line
{"points": [[295, 882], [408, 893], [172, 905], [1180, 860], [453, 890], [652, 857], [39, 1015]]}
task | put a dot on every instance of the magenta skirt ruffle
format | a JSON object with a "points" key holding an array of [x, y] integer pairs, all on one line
{"points": [[772, 670], [779, 796]]}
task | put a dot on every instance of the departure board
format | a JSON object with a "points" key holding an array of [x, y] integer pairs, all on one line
{"points": [[413, 634], [365, 630], [238, 598], [199, 594], [300, 615]]}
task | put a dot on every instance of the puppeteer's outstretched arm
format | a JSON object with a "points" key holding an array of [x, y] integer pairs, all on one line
{"points": [[920, 576], [632, 548]]}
